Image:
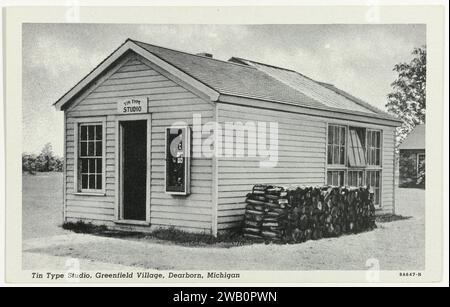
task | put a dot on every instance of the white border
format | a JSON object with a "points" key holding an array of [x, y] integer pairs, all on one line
{"points": [[439, 97]]}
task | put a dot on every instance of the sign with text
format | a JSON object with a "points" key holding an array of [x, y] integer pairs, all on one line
{"points": [[132, 106], [178, 140]]}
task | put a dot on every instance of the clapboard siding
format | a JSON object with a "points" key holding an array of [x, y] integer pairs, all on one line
{"points": [[387, 189], [301, 159], [168, 103], [191, 212], [100, 208]]}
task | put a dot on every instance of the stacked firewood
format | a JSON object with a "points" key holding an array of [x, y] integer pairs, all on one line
{"points": [[298, 214], [266, 213]]}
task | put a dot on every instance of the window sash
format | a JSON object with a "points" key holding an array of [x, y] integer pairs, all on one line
{"points": [[90, 157], [91, 171], [373, 151], [373, 179], [336, 177], [420, 162], [336, 147], [360, 152], [355, 177]]}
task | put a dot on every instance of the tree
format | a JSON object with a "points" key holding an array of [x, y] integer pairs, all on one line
{"points": [[407, 100], [29, 163], [46, 161], [47, 158], [59, 164]]}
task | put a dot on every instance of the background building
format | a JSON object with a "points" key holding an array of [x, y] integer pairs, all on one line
{"points": [[412, 159]]}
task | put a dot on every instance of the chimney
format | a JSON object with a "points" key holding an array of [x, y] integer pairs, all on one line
{"points": [[205, 54]]}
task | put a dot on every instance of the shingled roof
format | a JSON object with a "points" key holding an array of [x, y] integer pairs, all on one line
{"points": [[248, 79], [415, 139], [231, 78], [324, 93]]}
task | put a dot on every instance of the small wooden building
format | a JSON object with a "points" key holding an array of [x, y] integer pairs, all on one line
{"points": [[131, 139], [412, 159]]}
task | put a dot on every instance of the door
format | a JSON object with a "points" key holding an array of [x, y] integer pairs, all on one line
{"points": [[134, 169]]}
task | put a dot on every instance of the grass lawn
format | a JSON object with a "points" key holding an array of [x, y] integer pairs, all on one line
{"points": [[42, 205], [397, 245]]}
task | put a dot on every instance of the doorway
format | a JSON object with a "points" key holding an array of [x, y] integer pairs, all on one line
{"points": [[133, 170]]}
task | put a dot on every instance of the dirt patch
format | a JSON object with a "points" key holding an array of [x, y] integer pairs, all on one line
{"points": [[397, 245], [164, 236]]}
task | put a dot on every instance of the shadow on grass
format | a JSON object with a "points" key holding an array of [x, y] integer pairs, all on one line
{"points": [[387, 218], [89, 228], [170, 235], [179, 237]]}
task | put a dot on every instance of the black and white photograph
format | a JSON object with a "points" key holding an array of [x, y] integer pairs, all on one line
{"points": [[198, 151], [297, 157]]}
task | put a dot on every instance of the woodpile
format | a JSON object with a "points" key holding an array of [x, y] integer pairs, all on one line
{"points": [[293, 215]]}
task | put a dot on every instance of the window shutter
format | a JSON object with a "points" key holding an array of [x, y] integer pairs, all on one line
{"points": [[356, 157]]}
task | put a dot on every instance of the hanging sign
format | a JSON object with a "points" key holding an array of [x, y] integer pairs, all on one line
{"points": [[132, 106]]}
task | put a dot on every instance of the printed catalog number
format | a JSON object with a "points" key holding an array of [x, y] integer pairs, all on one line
{"points": [[410, 274]]}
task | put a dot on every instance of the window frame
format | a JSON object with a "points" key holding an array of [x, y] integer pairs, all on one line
{"points": [[346, 168], [418, 162], [380, 180], [376, 148], [332, 165], [337, 170], [354, 169], [78, 122], [187, 165]]}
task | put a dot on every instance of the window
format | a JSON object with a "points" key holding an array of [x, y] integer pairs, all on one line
{"points": [[420, 164], [336, 178], [373, 181], [373, 147], [354, 158], [355, 178], [90, 157], [336, 145]]}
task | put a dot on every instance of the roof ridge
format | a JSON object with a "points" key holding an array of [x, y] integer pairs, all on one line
{"points": [[191, 54], [265, 64], [280, 80], [287, 69]]}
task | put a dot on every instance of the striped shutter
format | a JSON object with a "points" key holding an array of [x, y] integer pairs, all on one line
{"points": [[356, 156]]}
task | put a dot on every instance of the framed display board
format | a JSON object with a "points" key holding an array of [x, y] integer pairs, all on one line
{"points": [[177, 154]]}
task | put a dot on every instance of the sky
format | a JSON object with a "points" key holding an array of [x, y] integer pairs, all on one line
{"points": [[356, 58]]}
